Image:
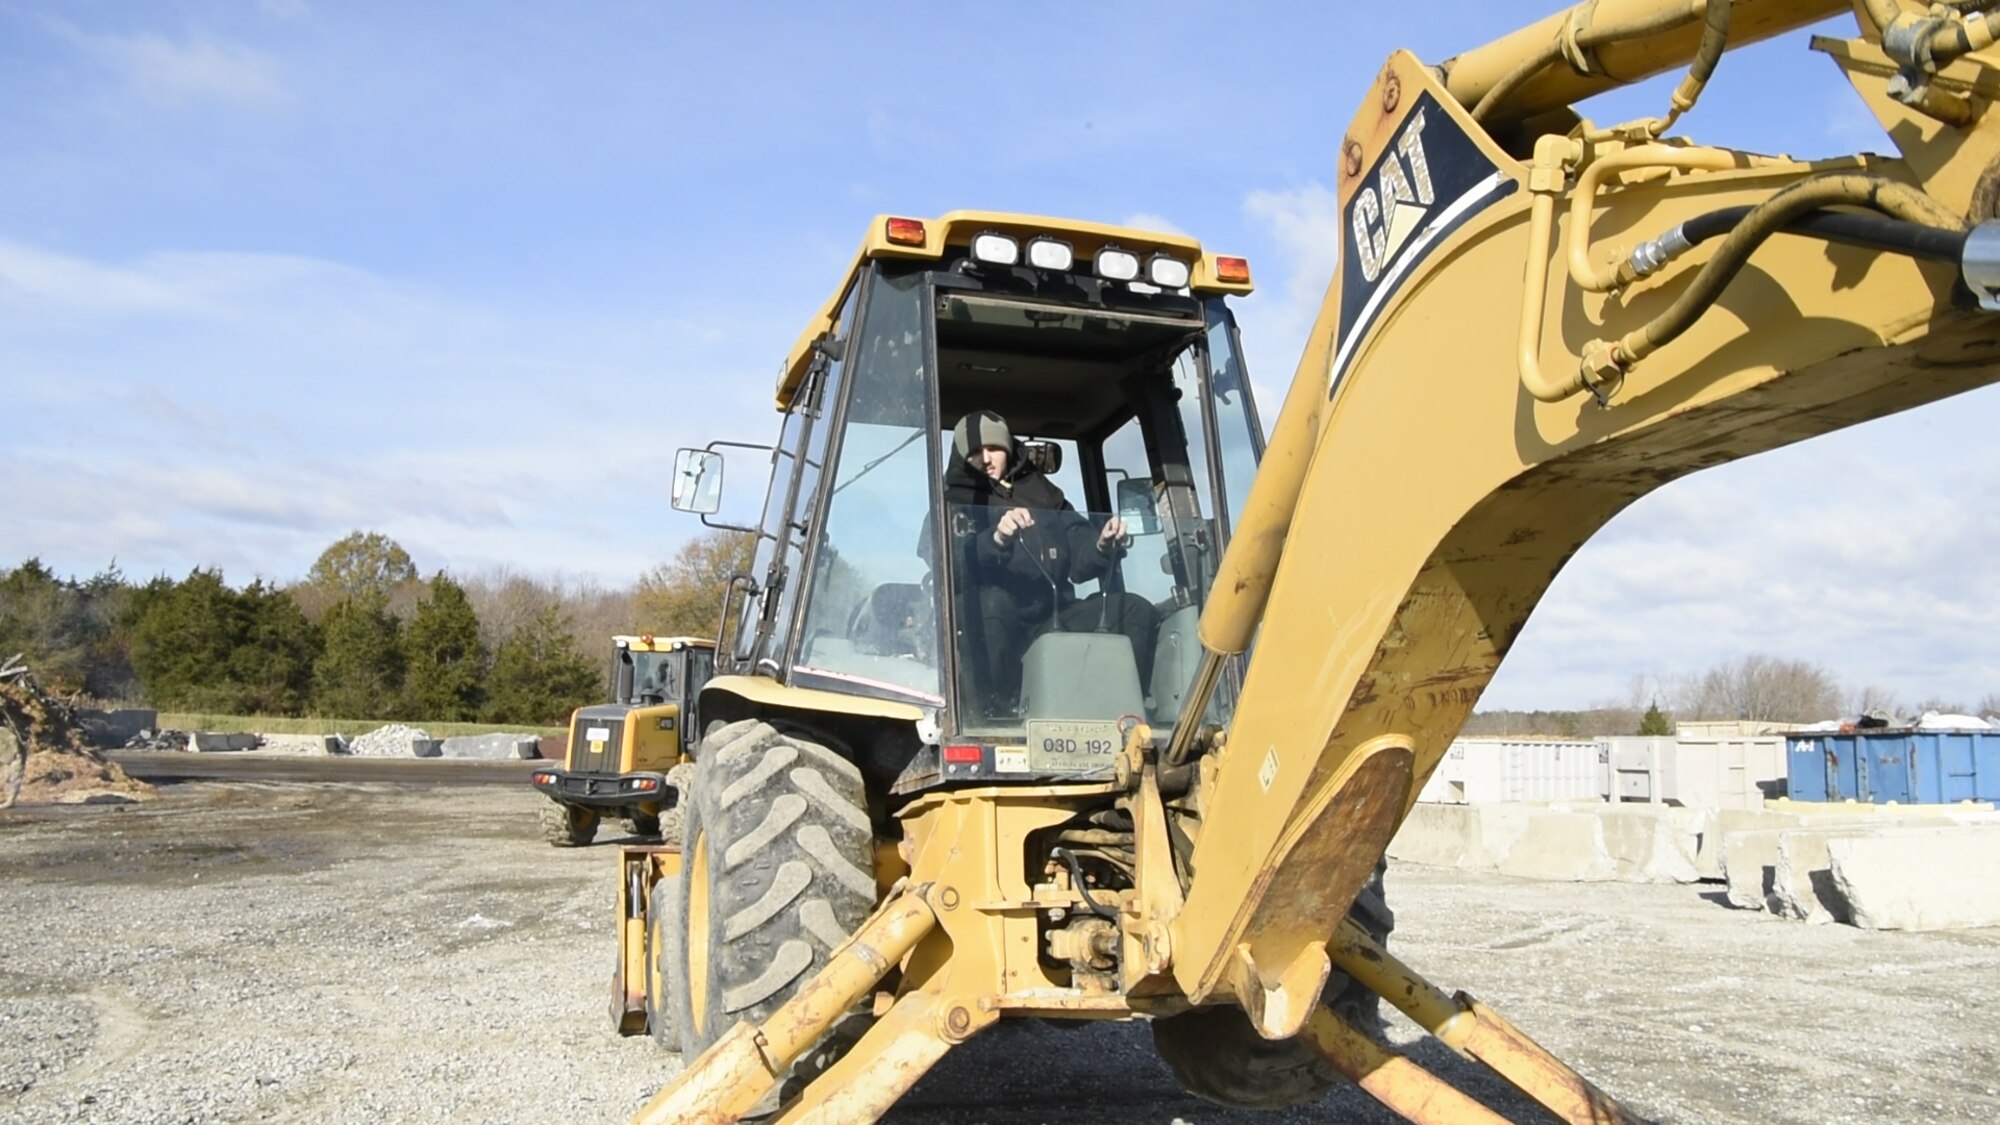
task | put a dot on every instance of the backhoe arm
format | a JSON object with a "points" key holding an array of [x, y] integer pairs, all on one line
{"points": [[1534, 323]]}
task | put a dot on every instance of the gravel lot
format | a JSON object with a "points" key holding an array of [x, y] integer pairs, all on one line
{"points": [[260, 950]]}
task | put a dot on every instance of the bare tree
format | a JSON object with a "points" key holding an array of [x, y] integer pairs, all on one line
{"points": [[1942, 706], [1873, 698], [1763, 688], [684, 594]]}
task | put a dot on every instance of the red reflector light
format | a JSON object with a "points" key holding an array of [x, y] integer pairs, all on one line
{"points": [[647, 783], [544, 778], [1235, 270], [905, 232], [961, 753]]}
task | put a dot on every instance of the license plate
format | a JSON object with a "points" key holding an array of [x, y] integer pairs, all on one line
{"points": [[1056, 746]]}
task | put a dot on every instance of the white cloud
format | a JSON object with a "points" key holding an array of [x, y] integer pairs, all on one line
{"points": [[245, 410], [70, 284], [195, 67], [1869, 552], [1303, 225], [1147, 220]]}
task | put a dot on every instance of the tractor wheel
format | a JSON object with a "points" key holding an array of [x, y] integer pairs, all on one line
{"points": [[1219, 1057], [643, 825], [663, 949], [673, 820], [567, 826], [778, 867]]}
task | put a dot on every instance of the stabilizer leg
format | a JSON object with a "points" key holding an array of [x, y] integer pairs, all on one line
{"points": [[735, 1073], [880, 1068], [1413, 1092], [1475, 1031]]}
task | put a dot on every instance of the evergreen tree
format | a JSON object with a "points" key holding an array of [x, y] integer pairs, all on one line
{"points": [[359, 673], [183, 634], [272, 666], [444, 657], [538, 674], [1655, 724]]}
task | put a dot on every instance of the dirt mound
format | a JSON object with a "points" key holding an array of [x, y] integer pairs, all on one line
{"points": [[58, 768]]}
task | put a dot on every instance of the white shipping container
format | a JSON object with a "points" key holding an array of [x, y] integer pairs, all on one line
{"points": [[1486, 770], [1696, 772]]}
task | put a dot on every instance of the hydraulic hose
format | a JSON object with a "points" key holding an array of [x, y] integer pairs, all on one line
{"points": [[1891, 197], [1874, 232], [1928, 42], [1714, 41]]}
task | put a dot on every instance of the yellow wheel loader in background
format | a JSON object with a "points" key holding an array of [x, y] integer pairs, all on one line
{"points": [[621, 755], [893, 842]]}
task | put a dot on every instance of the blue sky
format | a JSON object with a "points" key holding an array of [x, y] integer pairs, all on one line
{"points": [[467, 274]]}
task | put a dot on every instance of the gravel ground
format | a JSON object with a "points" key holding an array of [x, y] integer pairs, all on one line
{"points": [[363, 952]]}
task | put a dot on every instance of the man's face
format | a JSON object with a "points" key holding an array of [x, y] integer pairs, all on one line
{"points": [[991, 459]]}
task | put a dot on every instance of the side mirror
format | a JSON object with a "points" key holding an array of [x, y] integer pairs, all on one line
{"points": [[697, 481], [1136, 507], [1045, 457]]}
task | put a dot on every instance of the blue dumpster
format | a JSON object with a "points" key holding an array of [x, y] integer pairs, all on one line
{"points": [[1905, 766]]}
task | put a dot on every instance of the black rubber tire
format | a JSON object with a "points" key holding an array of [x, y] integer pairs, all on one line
{"points": [[643, 825], [779, 843], [567, 826], [664, 930], [1218, 1056], [673, 821]]}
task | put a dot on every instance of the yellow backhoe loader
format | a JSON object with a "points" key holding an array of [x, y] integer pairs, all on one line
{"points": [[918, 810]]}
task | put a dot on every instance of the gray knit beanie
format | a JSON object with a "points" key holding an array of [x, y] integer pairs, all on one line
{"points": [[977, 430]]}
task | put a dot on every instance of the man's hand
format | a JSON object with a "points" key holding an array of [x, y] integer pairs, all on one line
{"points": [[1011, 523], [1112, 536]]}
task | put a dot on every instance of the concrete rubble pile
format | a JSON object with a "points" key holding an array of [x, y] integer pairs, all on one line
{"points": [[43, 756], [397, 741]]}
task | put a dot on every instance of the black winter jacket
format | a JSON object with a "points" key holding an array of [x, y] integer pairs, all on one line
{"points": [[1039, 564]]}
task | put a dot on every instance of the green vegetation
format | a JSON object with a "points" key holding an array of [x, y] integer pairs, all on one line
{"points": [[362, 634], [1655, 724]]}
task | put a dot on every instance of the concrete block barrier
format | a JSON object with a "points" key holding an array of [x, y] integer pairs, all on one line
{"points": [[208, 741], [1571, 843], [496, 745], [1919, 878]]}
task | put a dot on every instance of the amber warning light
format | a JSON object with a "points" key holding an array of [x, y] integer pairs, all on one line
{"points": [[905, 232], [1234, 270]]}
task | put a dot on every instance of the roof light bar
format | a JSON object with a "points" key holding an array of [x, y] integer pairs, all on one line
{"points": [[995, 249], [1113, 264], [1045, 253], [1167, 273]]}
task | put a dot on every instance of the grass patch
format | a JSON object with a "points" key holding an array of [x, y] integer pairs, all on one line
{"points": [[261, 724]]}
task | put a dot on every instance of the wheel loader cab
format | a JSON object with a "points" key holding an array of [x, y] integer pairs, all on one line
{"points": [[1128, 394]]}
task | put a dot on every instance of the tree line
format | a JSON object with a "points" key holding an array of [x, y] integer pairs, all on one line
{"points": [[364, 635], [1757, 688]]}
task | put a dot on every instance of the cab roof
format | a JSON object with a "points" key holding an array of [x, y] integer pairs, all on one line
{"points": [[957, 228], [646, 642]]}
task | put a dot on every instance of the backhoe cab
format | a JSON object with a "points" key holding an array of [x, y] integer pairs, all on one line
{"points": [[1112, 357], [621, 754]]}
